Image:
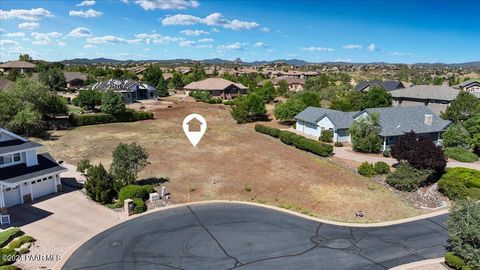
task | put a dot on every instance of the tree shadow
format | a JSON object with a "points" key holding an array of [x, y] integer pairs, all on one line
{"points": [[154, 181]]}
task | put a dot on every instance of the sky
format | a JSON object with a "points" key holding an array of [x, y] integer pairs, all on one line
{"points": [[405, 31]]}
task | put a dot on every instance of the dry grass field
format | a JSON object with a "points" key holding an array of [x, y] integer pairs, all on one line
{"points": [[234, 162]]}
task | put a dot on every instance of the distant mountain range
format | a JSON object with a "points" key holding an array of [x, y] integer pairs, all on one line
{"points": [[218, 61]]}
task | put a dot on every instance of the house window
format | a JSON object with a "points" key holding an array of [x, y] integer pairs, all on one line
{"points": [[7, 159], [33, 182]]}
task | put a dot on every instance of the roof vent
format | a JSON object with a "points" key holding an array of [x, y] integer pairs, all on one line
{"points": [[428, 119]]}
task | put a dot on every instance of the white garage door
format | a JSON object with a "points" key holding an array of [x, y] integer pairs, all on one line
{"points": [[43, 187], [12, 196]]}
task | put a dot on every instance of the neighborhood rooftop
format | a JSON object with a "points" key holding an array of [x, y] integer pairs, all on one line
{"points": [[340, 119], [437, 92], [386, 85], [18, 173], [213, 84], [17, 64]]}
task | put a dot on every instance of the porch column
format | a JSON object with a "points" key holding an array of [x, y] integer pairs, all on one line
{"points": [[21, 191], [31, 191], [384, 144], [2, 198]]}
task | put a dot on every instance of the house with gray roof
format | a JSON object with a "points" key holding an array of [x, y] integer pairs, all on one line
{"points": [[393, 123], [24, 174], [472, 86], [74, 79], [435, 97], [364, 86], [130, 89]]}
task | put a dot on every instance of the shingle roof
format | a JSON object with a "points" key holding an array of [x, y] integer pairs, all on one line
{"points": [[18, 173], [401, 120], [386, 85], [70, 76], [341, 120], [211, 84], [427, 92], [467, 83], [121, 85], [17, 64], [16, 146]]}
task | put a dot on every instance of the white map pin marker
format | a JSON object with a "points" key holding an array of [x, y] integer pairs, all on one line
{"points": [[194, 126]]}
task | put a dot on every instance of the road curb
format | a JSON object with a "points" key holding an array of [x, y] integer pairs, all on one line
{"points": [[67, 255], [418, 264]]}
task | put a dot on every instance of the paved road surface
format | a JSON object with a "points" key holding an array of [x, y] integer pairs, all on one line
{"points": [[235, 236]]}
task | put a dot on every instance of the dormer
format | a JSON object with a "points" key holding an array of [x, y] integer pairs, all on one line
{"points": [[16, 150]]}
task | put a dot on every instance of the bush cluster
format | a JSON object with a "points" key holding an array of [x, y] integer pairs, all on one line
{"points": [[138, 206], [138, 194], [309, 145], [7, 235], [338, 144], [456, 183], [460, 154], [408, 178], [454, 261], [103, 118], [369, 169], [274, 132], [300, 142], [326, 136]]}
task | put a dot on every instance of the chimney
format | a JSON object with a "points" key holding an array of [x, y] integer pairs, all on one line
{"points": [[428, 119]]}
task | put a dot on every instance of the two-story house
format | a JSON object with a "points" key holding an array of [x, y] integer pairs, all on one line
{"points": [[24, 174]]}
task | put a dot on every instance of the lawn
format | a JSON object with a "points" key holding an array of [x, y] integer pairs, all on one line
{"points": [[74, 109], [234, 162]]}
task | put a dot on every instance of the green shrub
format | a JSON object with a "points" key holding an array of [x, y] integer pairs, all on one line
{"points": [[15, 244], [5, 254], [474, 193], [9, 267], [26, 239], [382, 168], [132, 192], [23, 251], [309, 145], [214, 101], [387, 153], [407, 178], [274, 132], [7, 235], [338, 144], [138, 206], [454, 190], [366, 169], [326, 135], [229, 102], [454, 261], [203, 96], [460, 154], [456, 182]]}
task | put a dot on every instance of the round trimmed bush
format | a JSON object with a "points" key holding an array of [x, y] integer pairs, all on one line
{"points": [[454, 261], [456, 181], [366, 169], [138, 206], [132, 192], [23, 251], [382, 168], [387, 153], [338, 144]]}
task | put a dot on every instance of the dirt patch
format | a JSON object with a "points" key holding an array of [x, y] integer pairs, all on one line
{"points": [[234, 162]]}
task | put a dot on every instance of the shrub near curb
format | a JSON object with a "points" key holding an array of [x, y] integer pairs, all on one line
{"points": [[454, 261], [366, 169], [138, 206], [382, 167], [7, 235]]}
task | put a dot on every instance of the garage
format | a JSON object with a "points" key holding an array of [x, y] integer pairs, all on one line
{"points": [[42, 187], [12, 196]]}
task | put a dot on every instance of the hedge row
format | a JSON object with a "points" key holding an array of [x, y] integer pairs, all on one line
{"points": [[300, 142], [103, 118], [7, 235]]}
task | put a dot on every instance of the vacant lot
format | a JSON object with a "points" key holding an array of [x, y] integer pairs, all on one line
{"points": [[234, 162]]}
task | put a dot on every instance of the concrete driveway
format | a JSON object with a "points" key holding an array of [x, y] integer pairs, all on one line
{"points": [[231, 236], [58, 221]]}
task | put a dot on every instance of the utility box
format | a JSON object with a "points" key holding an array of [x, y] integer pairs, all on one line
{"points": [[164, 191], [154, 197], [128, 206]]}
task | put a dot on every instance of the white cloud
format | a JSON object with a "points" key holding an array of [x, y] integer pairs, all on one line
{"points": [[2, 30], [352, 47], [111, 40], [16, 34], [206, 40], [343, 60], [260, 45], [233, 46], [317, 49], [196, 44], [166, 4], [157, 38], [189, 32], [85, 13], [4, 42], [214, 19], [44, 38], [215, 30], [265, 29], [61, 43], [28, 25], [372, 47], [89, 46], [400, 53], [34, 14], [86, 3], [80, 32]]}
